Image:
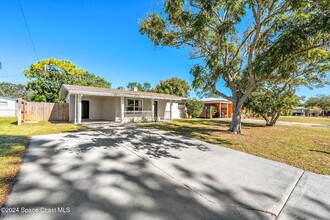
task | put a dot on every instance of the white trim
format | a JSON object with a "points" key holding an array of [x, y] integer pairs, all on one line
{"points": [[79, 109], [124, 95], [75, 109], [11, 99], [171, 110]]}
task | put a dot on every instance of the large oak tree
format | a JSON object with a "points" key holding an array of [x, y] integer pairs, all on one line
{"points": [[243, 42]]}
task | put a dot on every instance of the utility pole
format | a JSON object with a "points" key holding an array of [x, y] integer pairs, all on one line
{"points": [[3, 93]]}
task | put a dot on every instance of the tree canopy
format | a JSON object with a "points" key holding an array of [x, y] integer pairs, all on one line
{"points": [[12, 90], [243, 42], [277, 95], [194, 107], [271, 101], [46, 77], [173, 86], [145, 87], [321, 101]]}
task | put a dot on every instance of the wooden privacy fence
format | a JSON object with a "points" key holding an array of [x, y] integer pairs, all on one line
{"points": [[42, 111]]}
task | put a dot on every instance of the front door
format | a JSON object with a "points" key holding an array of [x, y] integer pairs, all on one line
{"points": [[156, 108], [84, 109]]}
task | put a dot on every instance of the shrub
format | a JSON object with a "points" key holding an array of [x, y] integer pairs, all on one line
{"points": [[194, 107], [155, 118], [131, 120], [213, 110], [144, 119]]}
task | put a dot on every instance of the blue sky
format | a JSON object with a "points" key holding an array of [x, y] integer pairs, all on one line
{"points": [[99, 36]]}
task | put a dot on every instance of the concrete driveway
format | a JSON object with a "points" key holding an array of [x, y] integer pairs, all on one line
{"points": [[127, 172]]}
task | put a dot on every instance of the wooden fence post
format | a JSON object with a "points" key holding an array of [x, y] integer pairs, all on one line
{"points": [[24, 111], [19, 112]]}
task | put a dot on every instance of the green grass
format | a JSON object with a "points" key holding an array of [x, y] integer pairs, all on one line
{"points": [[300, 146], [312, 120], [13, 142]]}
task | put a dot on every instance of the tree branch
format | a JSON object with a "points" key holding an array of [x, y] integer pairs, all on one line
{"points": [[215, 91]]}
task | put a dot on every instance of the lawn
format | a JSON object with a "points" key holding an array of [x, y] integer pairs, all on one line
{"points": [[13, 142], [313, 120], [300, 146]]}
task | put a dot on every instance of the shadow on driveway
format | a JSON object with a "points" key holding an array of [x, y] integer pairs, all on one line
{"points": [[125, 172]]}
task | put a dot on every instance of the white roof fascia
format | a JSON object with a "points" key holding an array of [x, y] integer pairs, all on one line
{"points": [[76, 92]]}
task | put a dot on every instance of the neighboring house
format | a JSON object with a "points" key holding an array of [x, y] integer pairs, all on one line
{"points": [[8, 107], [224, 107], [92, 103], [300, 111]]}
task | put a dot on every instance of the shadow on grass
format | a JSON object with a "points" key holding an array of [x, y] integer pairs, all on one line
{"points": [[216, 122], [320, 151], [12, 148], [11, 145], [202, 133], [202, 129]]}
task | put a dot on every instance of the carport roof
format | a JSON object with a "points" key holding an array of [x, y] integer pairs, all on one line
{"points": [[212, 100], [96, 91]]}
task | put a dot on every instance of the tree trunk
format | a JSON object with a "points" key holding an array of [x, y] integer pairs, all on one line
{"points": [[274, 119], [235, 126], [265, 117]]}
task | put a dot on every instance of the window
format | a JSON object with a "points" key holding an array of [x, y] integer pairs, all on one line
{"points": [[134, 105], [3, 104]]}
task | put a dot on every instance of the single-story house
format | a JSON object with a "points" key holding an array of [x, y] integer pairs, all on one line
{"points": [[300, 111], [93, 103], [8, 107], [224, 107]]}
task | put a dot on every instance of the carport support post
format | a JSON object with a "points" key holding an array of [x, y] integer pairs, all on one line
{"points": [[122, 109], [79, 109], [220, 116], [152, 110], [171, 105], [75, 108]]}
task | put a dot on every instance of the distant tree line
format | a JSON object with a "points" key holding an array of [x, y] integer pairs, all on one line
{"points": [[321, 101], [172, 86], [12, 90]]}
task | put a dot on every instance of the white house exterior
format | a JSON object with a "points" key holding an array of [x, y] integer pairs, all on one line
{"points": [[8, 107], [92, 103], [300, 111]]}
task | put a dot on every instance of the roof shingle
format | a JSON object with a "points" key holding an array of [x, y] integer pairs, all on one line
{"points": [[114, 92]]}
